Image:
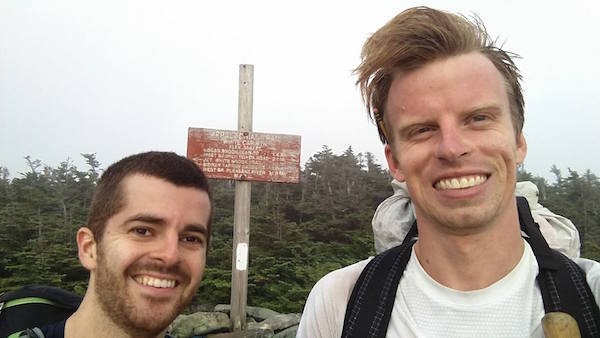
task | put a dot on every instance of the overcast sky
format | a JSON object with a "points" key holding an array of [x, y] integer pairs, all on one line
{"points": [[121, 77]]}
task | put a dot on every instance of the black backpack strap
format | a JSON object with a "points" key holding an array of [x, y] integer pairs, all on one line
{"points": [[370, 306], [30, 333], [562, 282], [35, 306], [34, 293]]}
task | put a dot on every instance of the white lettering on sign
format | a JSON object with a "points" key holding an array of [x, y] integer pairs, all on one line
{"points": [[241, 256], [245, 156]]}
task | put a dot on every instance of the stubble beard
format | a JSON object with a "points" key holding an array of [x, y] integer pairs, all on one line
{"points": [[147, 320], [467, 219], [466, 222]]}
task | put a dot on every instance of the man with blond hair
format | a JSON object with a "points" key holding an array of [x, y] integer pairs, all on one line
{"points": [[448, 106]]}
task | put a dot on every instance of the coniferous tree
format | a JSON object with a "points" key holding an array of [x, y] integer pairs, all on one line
{"points": [[298, 232]]}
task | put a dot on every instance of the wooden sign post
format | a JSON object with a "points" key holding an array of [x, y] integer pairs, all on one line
{"points": [[244, 156], [241, 210]]}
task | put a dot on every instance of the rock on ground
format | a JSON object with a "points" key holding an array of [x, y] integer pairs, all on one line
{"points": [[200, 323]]}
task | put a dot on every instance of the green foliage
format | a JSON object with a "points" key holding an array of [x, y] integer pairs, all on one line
{"points": [[298, 232], [576, 197], [39, 215]]}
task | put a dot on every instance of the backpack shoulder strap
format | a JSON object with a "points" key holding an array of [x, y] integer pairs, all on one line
{"points": [[370, 306], [28, 333], [34, 306], [40, 294], [562, 282]]}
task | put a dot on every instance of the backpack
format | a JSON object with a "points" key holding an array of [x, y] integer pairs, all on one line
{"points": [[34, 306], [562, 284]]}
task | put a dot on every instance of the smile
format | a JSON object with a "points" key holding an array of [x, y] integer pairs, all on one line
{"points": [[156, 282], [460, 182]]}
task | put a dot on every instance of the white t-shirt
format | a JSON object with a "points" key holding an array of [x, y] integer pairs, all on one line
{"points": [[511, 307]]}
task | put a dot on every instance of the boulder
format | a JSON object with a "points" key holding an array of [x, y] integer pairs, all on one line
{"points": [[251, 333], [277, 322], [200, 323], [258, 313], [225, 308], [290, 332]]}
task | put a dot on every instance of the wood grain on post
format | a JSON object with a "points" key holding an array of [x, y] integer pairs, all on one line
{"points": [[241, 214]]}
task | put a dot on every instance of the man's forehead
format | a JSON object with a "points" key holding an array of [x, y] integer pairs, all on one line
{"points": [[139, 182], [140, 188], [424, 85], [135, 179]]}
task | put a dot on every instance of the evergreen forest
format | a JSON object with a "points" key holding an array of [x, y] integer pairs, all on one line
{"points": [[298, 232]]}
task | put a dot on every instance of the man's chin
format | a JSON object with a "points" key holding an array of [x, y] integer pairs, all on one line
{"points": [[461, 218], [148, 321], [144, 317], [467, 223]]}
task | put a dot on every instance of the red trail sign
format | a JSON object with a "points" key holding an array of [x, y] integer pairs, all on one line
{"points": [[245, 156]]}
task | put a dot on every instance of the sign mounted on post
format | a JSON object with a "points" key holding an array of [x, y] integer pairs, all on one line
{"points": [[245, 156]]}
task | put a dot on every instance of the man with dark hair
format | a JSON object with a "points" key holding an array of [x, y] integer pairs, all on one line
{"points": [[448, 105], [145, 246]]}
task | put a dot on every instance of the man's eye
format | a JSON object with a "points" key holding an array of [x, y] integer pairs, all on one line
{"points": [[141, 231], [420, 132], [480, 118], [192, 239]]}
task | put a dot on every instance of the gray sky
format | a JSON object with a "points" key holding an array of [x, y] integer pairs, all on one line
{"points": [[120, 77]]}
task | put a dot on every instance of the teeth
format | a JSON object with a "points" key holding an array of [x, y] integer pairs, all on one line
{"points": [[155, 282], [460, 182], [454, 183]]}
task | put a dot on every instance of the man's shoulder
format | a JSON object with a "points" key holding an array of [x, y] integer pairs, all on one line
{"points": [[325, 307], [337, 285], [592, 274], [343, 278], [588, 265]]}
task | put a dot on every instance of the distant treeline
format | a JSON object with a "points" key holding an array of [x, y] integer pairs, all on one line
{"points": [[298, 232]]}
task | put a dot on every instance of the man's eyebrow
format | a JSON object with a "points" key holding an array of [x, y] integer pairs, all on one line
{"points": [[403, 131], [151, 219], [489, 107], [486, 107], [200, 228], [146, 218]]}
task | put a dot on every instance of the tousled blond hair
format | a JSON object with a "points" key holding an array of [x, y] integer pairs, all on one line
{"points": [[418, 36]]}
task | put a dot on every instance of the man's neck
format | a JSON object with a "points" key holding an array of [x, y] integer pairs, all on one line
{"points": [[473, 261], [90, 321]]}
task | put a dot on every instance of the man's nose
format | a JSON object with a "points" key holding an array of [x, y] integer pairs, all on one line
{"points": [[167, 249], [453, 143]]}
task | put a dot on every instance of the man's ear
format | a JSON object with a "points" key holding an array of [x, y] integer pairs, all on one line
{"points": [[393, 164], [521, 148], [86, 244]]}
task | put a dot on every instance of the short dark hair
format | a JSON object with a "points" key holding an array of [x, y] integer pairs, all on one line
{"points": [[421, 35], [108, 197]]}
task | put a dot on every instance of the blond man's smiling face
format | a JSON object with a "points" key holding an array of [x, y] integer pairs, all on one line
{"points": [[454, 143]]}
